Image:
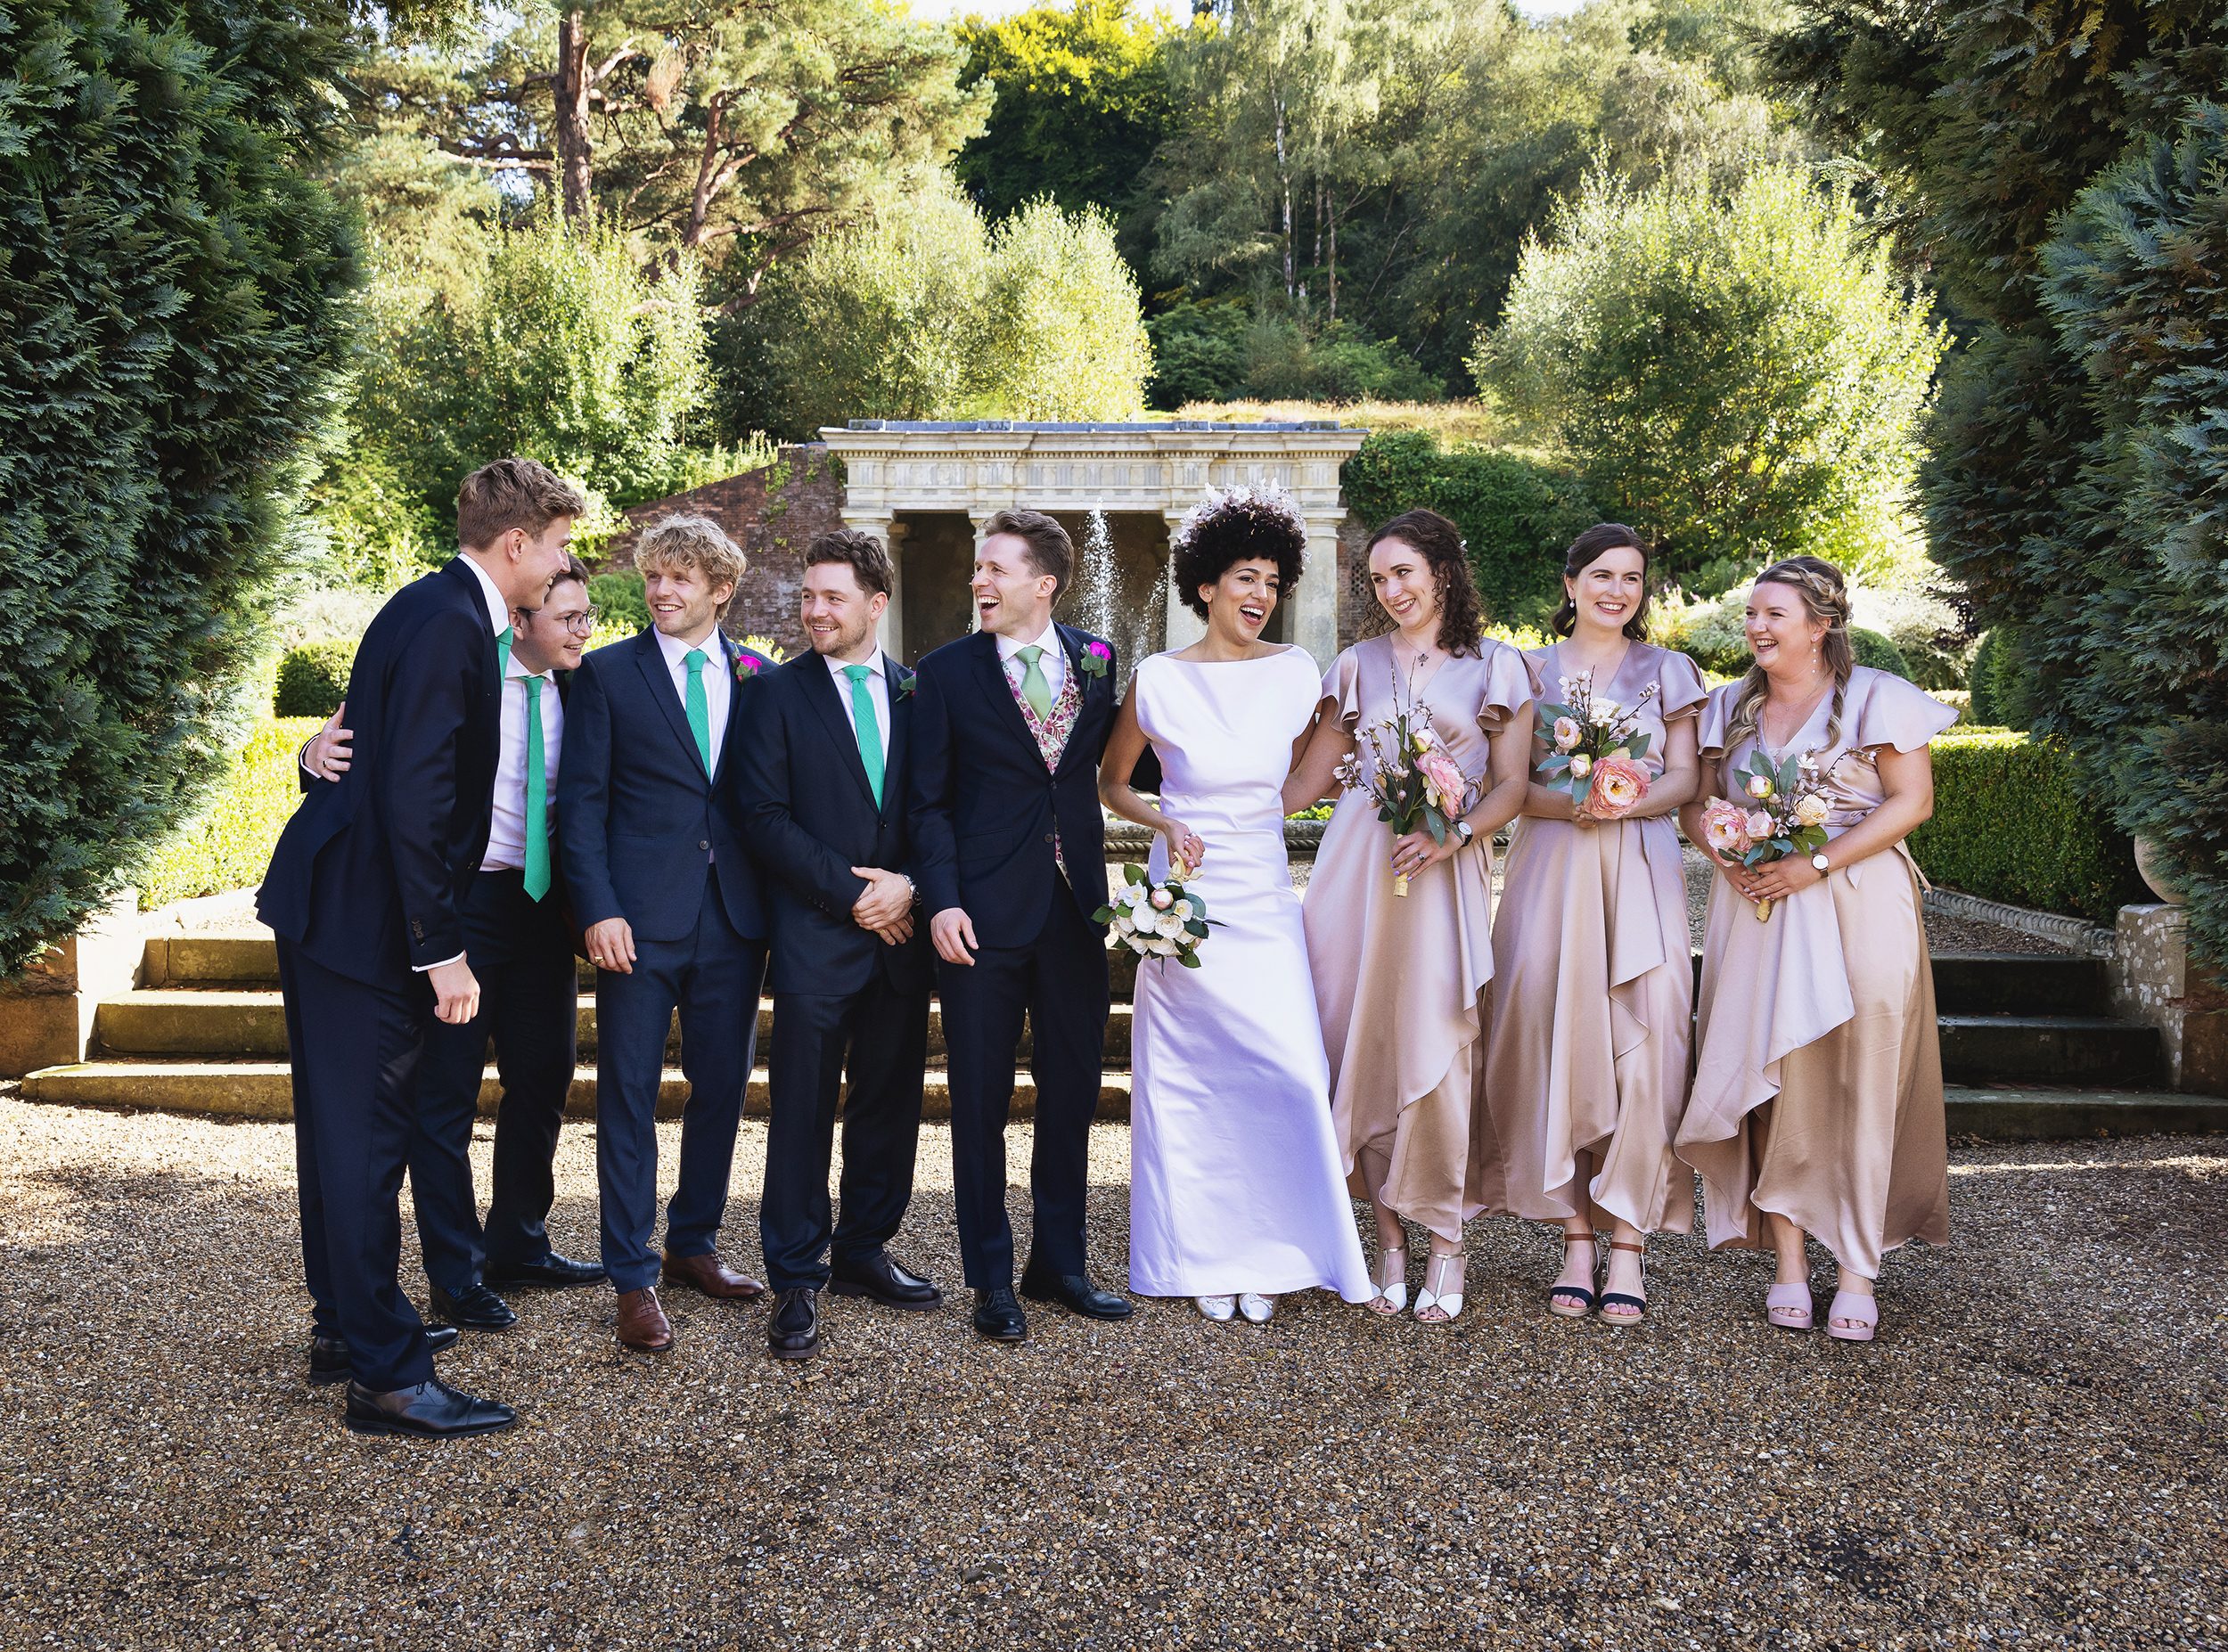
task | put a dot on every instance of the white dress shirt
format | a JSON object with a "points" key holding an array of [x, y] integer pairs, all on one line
{"points": [[719, 681], [498, 605], [877, 693], [1052, 662], [506, 838], [499, 615]]}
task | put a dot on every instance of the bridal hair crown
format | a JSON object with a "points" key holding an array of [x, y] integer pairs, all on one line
{"points": [[1261, 505]]}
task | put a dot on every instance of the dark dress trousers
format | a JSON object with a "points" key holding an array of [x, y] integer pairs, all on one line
{"points": [[840, 993], [986, 813], [370, 877], [645, 834]]}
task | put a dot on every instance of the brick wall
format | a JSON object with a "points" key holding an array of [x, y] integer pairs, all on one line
{"points": [[773, 513]]}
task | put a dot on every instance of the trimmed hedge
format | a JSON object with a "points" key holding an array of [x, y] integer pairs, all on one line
{"points": [[1519, 513], [227, 846], [314, 679], [1877, 651], [2012, 823]]}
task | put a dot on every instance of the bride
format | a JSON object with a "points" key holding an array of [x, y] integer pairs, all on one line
{"points": [[1236, 1192]]}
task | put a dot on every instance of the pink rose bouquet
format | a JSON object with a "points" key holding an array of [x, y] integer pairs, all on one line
{"points": [[1785, 814], [1416, 785], [1617, 784], [1594, 750]]}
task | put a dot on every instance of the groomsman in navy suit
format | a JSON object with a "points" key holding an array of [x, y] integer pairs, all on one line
{"points": [[517, 935], [821, 777], [671, 902], [366, 893], [1010, 849]]}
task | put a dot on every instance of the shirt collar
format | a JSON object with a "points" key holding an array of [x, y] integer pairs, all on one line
{"points": [[874, 665], [1048, 639], [498, 608], [675, 651]]}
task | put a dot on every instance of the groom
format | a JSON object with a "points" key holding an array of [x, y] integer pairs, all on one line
{"points": [[1009, 852]]}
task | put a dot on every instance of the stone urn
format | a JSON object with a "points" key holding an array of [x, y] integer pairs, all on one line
{"points": [[2151, 864]]}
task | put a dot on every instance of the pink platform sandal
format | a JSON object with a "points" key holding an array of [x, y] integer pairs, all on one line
{"points": [[1860, 1308], [1787, 1307]]}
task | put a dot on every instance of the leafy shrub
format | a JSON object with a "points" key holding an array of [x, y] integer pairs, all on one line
{"points": [[174, 287], [227, 846], [1518, 513], [1877, 651], [313, 678], [2000, 697], [1198, 353], [1337, 363], [2012, 823], [1713, 633], [617, 596]]}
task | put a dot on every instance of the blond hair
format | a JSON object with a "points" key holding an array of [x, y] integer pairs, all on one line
{"points": [[1826, 595], [512, 493], [693, 544]]}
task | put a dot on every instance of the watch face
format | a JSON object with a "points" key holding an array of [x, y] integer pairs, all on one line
{"points": [[1819, 861]]}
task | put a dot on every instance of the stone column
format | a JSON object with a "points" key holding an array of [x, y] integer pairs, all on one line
{"points": [[1314, 611], [886, 527], [1184, 627], [982, 523]]}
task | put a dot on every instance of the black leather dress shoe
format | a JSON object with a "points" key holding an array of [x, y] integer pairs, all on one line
{"points": [[328, 1356], [879, 1277], [998, 1317], [432, 1410], [475, 1308], [1076, 1293], [793, 1333], [551, 1273]]}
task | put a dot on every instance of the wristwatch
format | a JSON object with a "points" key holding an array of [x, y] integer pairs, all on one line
{"points": [[1819, 861], [1463, 830]]}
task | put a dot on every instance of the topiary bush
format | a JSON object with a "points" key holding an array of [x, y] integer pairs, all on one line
{"points": [[1879, 652], [172, 286], [2012, 822], [313, 679], [229, 843], [1518, 513]]}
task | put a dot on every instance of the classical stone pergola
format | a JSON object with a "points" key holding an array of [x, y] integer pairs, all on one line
{"points": [[894, 471]]}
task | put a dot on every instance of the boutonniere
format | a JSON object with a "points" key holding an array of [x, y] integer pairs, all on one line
{"points": [[746, 668], [905, 686], [1096, 657]]}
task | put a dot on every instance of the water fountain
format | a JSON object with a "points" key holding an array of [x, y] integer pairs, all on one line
{"points": [[1135, 627]]}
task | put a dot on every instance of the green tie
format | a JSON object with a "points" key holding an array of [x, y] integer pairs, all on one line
{"points": [[503, 652], [869, 728], [536, 793], [1034, 688], [700, 709]]}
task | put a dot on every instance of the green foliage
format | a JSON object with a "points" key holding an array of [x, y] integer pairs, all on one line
{"points": [[313, 678], [1517, 514], [1879, 652], [2012, 822], [173, 287], [2002, 696], [928, 313], [1198, 353], [1714, 633], [229, 843], [617, 596], [1740, 380], [1215, 351]]}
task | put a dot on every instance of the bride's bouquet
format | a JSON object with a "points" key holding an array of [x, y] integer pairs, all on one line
{"points": [[1785, 814], [1416, 785], [1163, 920], [1597, 749]]}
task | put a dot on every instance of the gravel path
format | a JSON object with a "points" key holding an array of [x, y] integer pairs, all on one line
{"points": [[2037, 1462]]}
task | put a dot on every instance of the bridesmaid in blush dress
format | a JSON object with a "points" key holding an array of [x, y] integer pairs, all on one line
{"points": [[1236, 1191], [1593, 982], [1817, 1100], [1400, 980]]}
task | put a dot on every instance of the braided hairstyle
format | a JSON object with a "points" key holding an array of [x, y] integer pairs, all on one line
{"points": [[1826, 595], [1587, 549], [1439, 542]]}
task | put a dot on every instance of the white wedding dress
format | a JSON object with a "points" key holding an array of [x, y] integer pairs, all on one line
{"points": [[1234, 1176]]}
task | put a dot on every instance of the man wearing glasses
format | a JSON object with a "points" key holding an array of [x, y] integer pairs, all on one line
{"points": [[520, 939]]}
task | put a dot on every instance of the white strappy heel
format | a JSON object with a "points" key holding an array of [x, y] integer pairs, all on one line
{"points": [[1392, 1294], [1447, 1302]]}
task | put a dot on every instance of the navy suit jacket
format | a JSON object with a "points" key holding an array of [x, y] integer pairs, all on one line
{"points": [[984, 809], [809, 815], [369, 875], [639, 823]]}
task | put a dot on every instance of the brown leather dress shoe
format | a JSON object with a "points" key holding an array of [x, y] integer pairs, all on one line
{"points": [[710, 1275], [643, 1325]]}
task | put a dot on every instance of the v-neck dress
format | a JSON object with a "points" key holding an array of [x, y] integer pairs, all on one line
{"points": [[1592, 1002], [1400, 980], [1825, 1013]]}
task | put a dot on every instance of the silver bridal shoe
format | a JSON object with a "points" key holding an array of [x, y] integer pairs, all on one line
{"points": [[1257, 1308], [1217, 1308]]}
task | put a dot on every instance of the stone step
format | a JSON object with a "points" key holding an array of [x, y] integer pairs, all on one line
{"points": [[2069, 1114], [215, 1021], [2020, 984], [264, 1090], [2050, 1050]]}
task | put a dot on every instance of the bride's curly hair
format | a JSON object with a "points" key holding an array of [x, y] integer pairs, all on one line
{"points": [[1244, 525], [1462, 615]]}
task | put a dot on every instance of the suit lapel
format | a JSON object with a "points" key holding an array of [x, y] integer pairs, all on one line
{"points": [[1085, 684], [827, 701], [729, 654], [900, 737], [651, 658], [1004, 710]]}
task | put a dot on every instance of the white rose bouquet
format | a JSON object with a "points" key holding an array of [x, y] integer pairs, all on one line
{"points": [[1164, 919]]}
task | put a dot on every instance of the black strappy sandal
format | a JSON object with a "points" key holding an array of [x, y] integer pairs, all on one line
{"points": [[1625, 1299], [1556, 1304]]}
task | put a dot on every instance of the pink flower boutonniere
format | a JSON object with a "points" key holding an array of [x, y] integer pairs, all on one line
{"points": [[746, 668], [1096, 657]]}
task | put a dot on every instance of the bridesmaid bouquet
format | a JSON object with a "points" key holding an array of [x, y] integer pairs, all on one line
{"points": [[1597, 749], [1785, 814], [1157, 919], [1416, 785]]}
